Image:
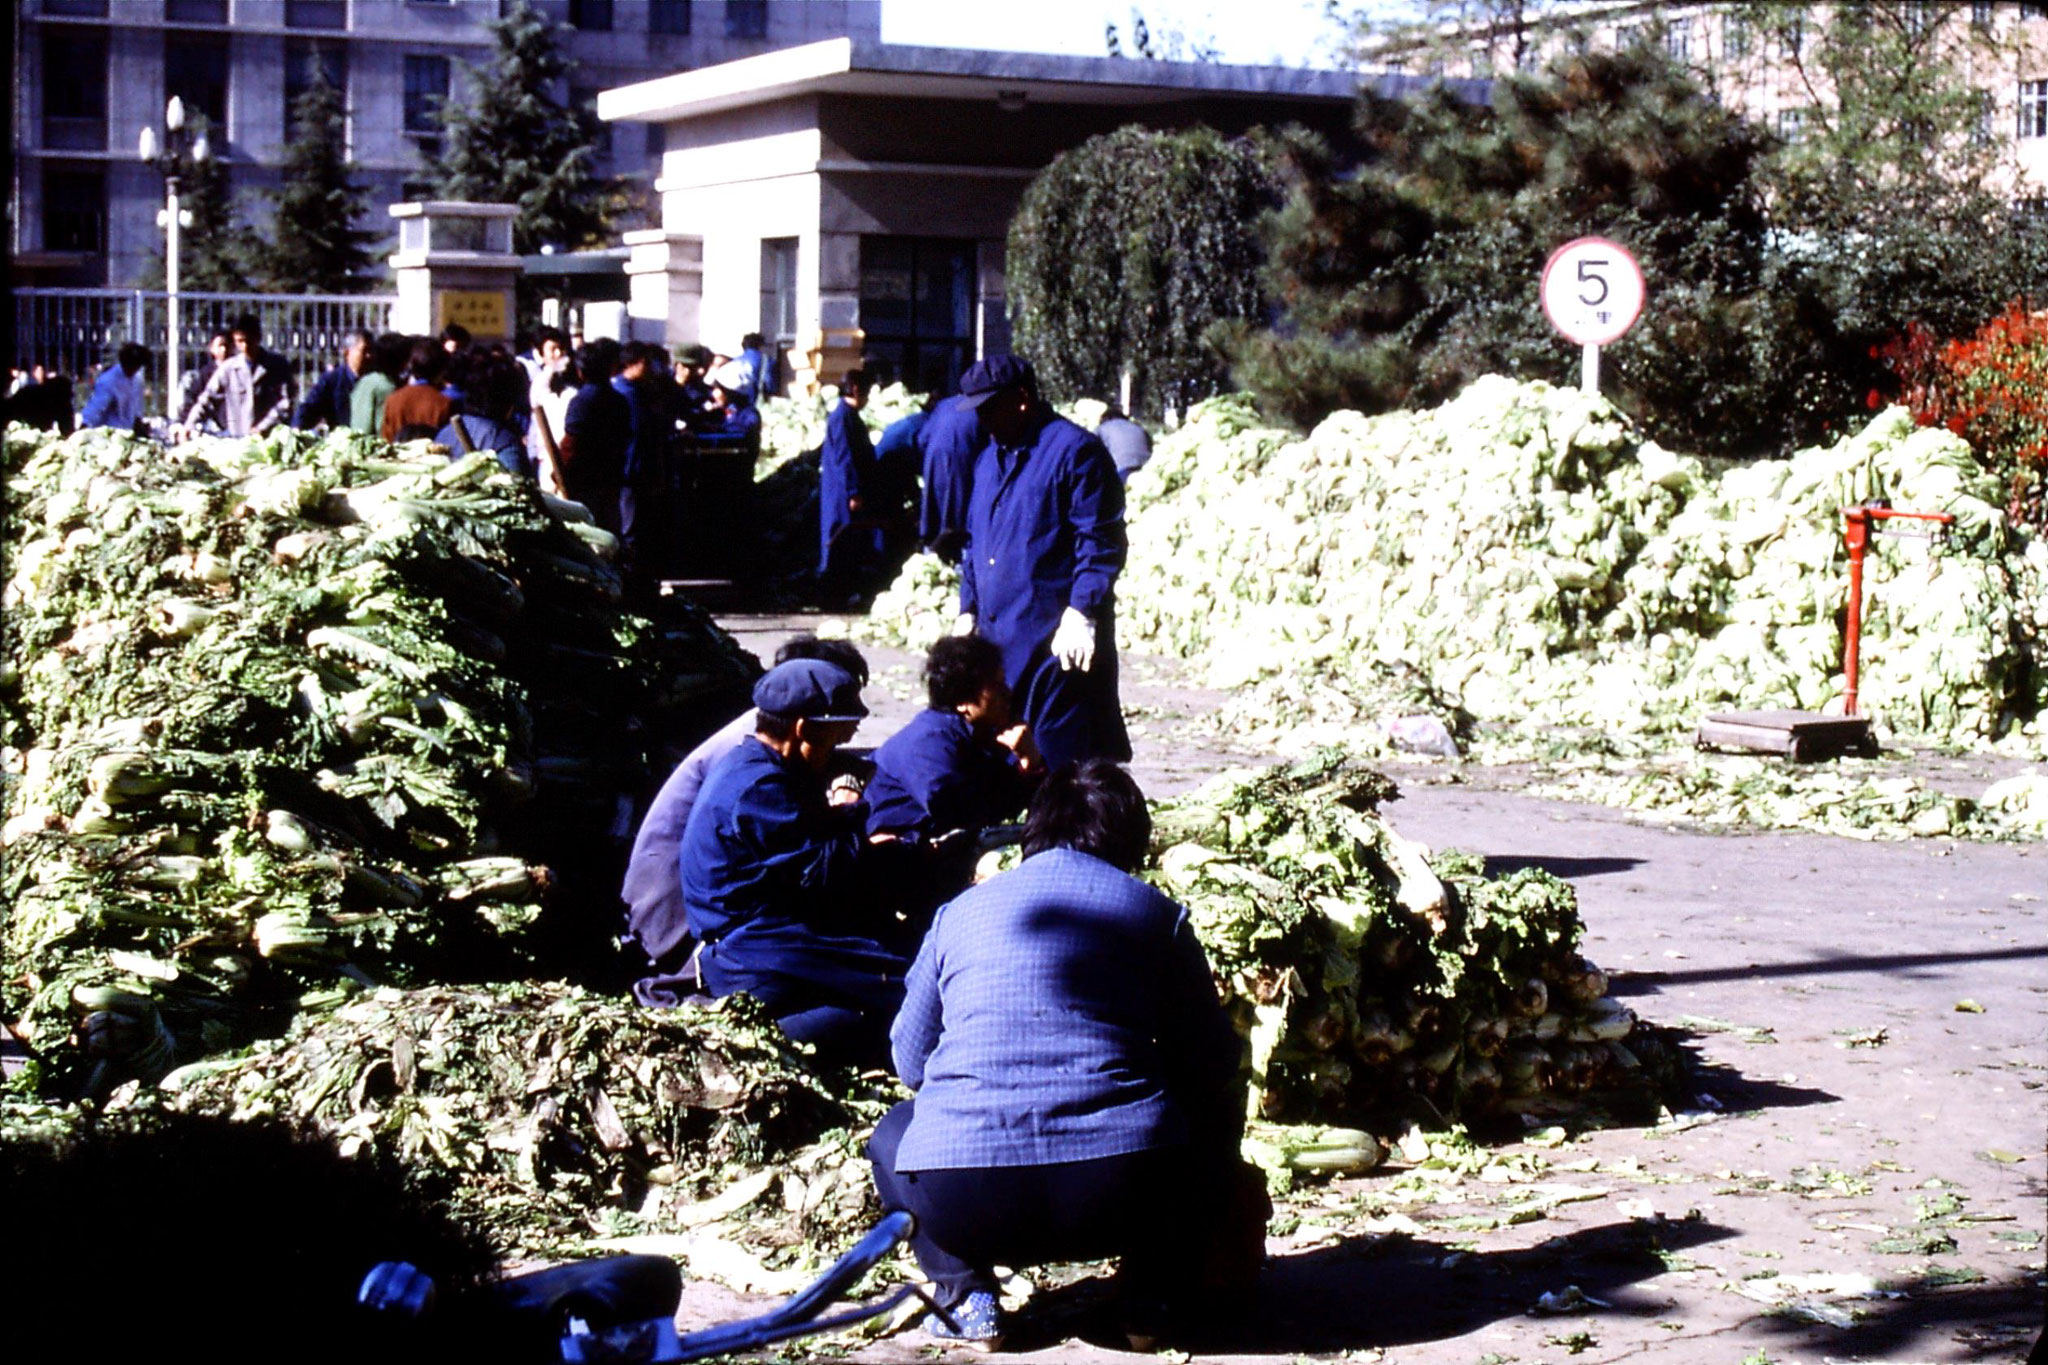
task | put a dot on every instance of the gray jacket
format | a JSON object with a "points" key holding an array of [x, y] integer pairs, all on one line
{"points": [[247, 396]]}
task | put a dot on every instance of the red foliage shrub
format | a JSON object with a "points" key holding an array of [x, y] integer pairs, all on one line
{"points": [[1990, 389]]}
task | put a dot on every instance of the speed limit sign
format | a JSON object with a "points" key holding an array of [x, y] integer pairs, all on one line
{"points": [[1592, 290]]}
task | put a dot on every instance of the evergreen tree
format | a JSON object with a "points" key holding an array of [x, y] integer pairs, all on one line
{"points": [[315, 246], [1406, 279], [513, 142], [1125, 251], [214, 251]]}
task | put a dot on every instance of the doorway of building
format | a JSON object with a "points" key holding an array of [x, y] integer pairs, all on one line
{"points": [[917, 308]]}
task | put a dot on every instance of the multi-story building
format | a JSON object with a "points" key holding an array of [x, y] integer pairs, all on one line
{"points": [[2001, 49], [91, 74]]}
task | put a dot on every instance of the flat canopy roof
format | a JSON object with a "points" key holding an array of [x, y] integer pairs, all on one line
{"points": [[861, 67]]}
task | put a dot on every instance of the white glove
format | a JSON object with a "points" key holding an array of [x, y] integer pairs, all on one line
{"points": [[1073, 644], [965, 624]]}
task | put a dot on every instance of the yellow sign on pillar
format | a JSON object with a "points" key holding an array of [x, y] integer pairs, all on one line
{"points": [[480, 312]]}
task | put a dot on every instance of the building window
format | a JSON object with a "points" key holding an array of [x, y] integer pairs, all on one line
{"points": [[1735, 38], [426, 89], [1981, 118], [76, 9], [2033, 11], [1792, 35], [74, 90], [1678, 40], [917, 307], [746, 18], [778, 291], [196, 11], [196, 71], [1792, 124], [592, 15], [316, 14], [668, 16], [302, 57], [1482, 62], [2033, 109], [1629, 37], [75, 209]]}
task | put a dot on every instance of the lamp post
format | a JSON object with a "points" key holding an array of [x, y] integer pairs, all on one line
{"points": [[178, 154]]}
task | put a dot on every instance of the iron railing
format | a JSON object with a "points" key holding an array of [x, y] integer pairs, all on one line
{"points": [[76, 331]]}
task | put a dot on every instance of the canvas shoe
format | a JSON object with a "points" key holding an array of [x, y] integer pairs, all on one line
{"points": [[977, 1322]]}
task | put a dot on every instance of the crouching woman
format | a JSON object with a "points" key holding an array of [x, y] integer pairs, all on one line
{"points": [[1077, 1082]]}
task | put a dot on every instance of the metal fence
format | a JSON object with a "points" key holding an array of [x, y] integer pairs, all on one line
{"points": [[75, 331]]}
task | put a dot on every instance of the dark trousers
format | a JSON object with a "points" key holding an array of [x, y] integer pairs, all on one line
{"points": [[1147, 1207], [838, 991], [1075, 715]]}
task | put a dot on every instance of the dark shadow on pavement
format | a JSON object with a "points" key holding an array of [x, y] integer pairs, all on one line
{"points": [[1996, 1320], [1650, 983], [1501, 864], [1377, 1291]]}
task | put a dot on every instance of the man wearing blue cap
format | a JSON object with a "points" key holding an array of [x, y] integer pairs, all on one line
{"points": [[773, 883], [1045, 542]]}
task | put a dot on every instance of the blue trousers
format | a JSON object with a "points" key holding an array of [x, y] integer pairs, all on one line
{"points": [[839, 991]]}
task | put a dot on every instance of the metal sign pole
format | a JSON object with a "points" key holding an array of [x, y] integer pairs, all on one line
{"points": [[1589, 370]]}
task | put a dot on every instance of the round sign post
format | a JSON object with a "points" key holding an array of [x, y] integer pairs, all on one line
{"points": [[1592, 292]]}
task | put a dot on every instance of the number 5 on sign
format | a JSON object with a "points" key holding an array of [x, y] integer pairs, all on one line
{"points": [[1592, 292]]}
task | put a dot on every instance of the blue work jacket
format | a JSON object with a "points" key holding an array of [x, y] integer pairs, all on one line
{"points": [[936, 775], [653, 885], [640, 436], [763, 848], [328, 402], [949, 441], [1045, 531], [846, 469], [1059, 1012]]}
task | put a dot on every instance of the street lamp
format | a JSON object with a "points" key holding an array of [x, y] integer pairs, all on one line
{"points": [[178, 154]]}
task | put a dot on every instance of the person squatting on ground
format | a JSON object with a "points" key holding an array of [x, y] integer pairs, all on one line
{"points": [[776, 883], [1045, 542], [653, 886], [1076, 1077], [961, 766]]}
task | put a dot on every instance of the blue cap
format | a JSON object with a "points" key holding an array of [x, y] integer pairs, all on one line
{"points": [[809, 689], [987, 378]]}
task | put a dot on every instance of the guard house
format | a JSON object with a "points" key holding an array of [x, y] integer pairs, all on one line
{"points": [[851, 198]]}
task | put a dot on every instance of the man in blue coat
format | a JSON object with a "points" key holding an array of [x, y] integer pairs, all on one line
{"points": [[1045, 542], [774, 885], [949, 443], [849, 542]]}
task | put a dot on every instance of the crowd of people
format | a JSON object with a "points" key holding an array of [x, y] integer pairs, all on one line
{"points": [[1075, 1076]]}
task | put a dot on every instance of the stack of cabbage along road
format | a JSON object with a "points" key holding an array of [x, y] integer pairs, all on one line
{"points": [[785, 496], [1522, 558], [1379, 988], [289, 718]]}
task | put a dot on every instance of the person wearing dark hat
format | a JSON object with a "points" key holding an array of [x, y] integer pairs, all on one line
{"points": [[774, 886], [652, 888], [1045, 542]]}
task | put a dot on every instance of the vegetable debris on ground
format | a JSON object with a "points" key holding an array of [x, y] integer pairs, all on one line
{"points": [[292, 717], [549, 1117]]}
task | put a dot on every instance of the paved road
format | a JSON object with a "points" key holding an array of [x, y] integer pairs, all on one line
{"points": [[1870, 1023]]}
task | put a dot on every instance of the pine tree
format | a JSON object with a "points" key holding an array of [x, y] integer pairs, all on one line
{"points": [[1418, 272], [1123, 254], [315, 246], [513, 142]]}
